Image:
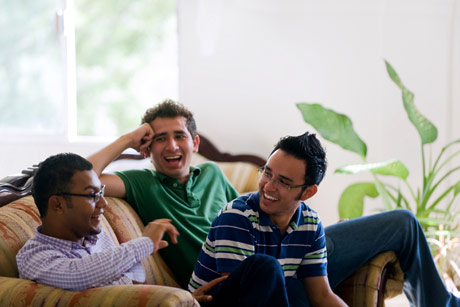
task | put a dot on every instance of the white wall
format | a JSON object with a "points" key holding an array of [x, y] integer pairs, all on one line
{"points": [[245, 63]]}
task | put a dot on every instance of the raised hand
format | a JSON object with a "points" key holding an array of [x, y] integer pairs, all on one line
{"points": [[156, 229], [141, 138]]}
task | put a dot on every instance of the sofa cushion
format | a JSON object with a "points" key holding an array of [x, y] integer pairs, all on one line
{"points": [[20, 292], [127, 225]]}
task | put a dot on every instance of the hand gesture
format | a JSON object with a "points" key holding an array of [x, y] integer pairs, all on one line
{"points": [[141, 138], [156, 229], [200, 293]]}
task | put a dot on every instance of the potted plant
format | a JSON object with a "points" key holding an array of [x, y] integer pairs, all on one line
{"points": [[434, 210]]}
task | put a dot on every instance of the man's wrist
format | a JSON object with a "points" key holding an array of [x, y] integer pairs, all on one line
{"points": [[144, 249]]}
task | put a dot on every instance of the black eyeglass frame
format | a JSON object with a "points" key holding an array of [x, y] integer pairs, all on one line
{"points": [[287, 186], [95, 196]]}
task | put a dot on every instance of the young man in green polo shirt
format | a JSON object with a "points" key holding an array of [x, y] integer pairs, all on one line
{"points": [[190, 196]]}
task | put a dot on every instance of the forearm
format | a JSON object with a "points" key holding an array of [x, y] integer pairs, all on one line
{"points": [[331, 300], [320, 294], [91, 271], [102, 158]]}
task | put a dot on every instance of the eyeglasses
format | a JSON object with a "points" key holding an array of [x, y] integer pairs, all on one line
{"points": [[95, 196], [278, 182]]}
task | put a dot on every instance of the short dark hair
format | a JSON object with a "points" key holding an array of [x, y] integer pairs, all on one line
{"points": [[170, 109], [306, 147], [54, 176]]}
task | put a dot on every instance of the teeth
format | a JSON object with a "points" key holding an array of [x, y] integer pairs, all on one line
{"points": [[269, 197], [172, 158]]}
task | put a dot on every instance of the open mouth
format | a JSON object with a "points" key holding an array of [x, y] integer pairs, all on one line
{"points": [[269, 197], [173, 160], [96, 217]]}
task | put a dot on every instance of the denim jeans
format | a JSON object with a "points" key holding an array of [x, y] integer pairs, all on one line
{"points": [[257, 281], [352, 243]]}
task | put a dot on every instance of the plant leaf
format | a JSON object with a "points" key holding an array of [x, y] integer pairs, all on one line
{"points": [[351, 201], [427, 131], [383, 192], [389, 168], [334, 127], [457, 189]]}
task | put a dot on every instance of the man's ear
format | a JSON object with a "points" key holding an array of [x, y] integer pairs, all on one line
{"points": [[196, 143], [56, 204], [309, 192]]}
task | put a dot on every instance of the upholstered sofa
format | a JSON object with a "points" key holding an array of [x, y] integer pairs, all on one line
{"points": [[379, 279]]}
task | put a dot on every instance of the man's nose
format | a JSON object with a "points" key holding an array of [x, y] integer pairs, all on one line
{"points": [[270, 184], [172, 144], [102, 203]]}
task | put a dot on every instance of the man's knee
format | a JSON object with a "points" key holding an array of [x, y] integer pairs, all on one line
{"points": [[263, 264], [262, 260], [403, 217]]}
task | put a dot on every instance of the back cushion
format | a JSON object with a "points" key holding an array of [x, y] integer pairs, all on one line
{"points": [[127, 225], [18, 221]]}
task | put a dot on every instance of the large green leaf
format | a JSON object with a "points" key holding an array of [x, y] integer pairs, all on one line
{"points": [[334, 127], [351, 203], [389, 168], [427, 131]]}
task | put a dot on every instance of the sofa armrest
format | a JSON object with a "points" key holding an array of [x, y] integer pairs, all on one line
{"points": [[20, 292], [377, 280]]}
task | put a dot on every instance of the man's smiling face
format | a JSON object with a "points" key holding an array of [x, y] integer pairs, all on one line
{"points": [[172, 147]]}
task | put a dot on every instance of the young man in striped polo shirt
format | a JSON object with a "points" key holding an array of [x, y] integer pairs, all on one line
{"points": [[267, 241]]}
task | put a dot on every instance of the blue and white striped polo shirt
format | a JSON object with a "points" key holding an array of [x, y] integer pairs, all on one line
{"points": [[241, 229]]}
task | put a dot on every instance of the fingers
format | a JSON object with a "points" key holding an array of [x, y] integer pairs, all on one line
{"points": [[173, 233], [200, 293], [203, 298], [141, 138], [212, 284], [162, 244], [155, 231]]}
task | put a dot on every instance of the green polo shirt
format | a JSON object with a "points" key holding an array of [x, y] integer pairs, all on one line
{"points": [[191, 207]]}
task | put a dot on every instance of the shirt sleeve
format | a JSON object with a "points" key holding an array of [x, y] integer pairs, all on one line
{"points": [[46, 265], [314, 262]]}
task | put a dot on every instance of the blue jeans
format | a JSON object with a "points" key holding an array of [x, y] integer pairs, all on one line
{"points": [[257, 281], [352, 243]]}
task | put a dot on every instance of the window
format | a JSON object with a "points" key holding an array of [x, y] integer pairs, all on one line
{"points": [[31, 91], [120, 57]]}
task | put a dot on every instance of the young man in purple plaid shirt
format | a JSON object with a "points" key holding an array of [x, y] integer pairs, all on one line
{"points": [[70, 249]]}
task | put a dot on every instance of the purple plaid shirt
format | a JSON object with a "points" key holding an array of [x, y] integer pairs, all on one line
{"points": [[69, 265]]}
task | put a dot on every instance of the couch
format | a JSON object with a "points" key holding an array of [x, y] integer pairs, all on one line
{"points": [[379, 279]]}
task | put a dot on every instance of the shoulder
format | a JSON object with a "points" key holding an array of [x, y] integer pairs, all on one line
{"points": [[309, 213], [136, 172], [35, 248], [209, 167], [239, 208], [309, 220], [138, 177]]}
